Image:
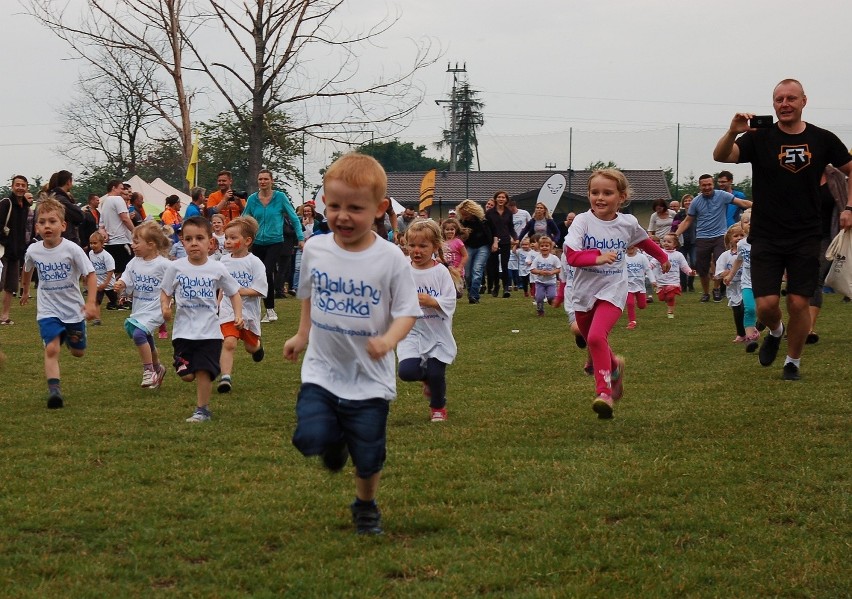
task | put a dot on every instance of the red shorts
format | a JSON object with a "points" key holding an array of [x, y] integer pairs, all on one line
{"points": [[667, 292], [247, 337]]}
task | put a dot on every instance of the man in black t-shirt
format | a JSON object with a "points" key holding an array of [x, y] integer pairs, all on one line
{"points": [[787, 160]]}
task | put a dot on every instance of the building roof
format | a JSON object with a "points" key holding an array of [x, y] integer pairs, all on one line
{"points": [[452, 187]]}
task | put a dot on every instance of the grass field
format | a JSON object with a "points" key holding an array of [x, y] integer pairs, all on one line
{"points": [[715, 479]]}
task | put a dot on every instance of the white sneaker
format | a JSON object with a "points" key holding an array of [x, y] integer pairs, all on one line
{"points": [[159, 373], [264, 318], [271, 315], [199, 415], [149, 377]]}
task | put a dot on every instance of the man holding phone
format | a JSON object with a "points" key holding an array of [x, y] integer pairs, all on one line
{"points": [[787, 159], [226, 203]]}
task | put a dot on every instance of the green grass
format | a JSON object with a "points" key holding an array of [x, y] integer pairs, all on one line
{"points": [[715, 479]]}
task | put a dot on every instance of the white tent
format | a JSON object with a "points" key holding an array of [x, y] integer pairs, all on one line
{"points": [[155, 194]]}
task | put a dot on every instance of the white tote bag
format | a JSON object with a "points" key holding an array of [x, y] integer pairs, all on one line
{"points": [[840, 253]]}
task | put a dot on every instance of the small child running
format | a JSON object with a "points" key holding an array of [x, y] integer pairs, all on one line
{"points": [[60, 311], [544, 267], [141, 281], [733, 291], [193, 284], [104, 265], [427, 350], [250, 273], [638, 270], [668, 283]]}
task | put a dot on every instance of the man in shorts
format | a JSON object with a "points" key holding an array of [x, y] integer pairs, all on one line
{"points": [[788, 159]]}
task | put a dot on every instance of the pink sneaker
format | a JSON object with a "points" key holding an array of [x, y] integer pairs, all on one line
{"points": [[631, 325], [617, 379], [602, 406]]}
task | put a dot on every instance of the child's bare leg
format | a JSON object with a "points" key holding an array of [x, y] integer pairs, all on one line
{"points": [[203, 388], [226, 358], [51, 359], [366, 488]]}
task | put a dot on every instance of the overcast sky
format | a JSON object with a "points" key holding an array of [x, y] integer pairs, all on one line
{"points": [[621, 75]]}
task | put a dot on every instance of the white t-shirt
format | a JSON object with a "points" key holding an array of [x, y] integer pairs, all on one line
{"points": [[220, 240], [523, 256], [568, 290], [520, 220], [195, 289], [638, 267], [733, 291], [432, 335], [102, 263], [250, 273], [606, 282], [110, 208], [59, 271], [353, 296], [744, 252], [539, 262], [678, 264], [143, 280]]}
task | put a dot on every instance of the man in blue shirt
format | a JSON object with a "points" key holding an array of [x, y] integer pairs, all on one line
{"points": [[708, 210], [725, 181], [198, 195]]}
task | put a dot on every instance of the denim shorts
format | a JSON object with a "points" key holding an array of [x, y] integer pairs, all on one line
{"points": [[323, 419]]}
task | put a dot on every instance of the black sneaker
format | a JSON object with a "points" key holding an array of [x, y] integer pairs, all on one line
{"points": [[769, 349], [367, 519], [54, 401], [335, 456], [791, 372], [580, 341], [258, 355], [717, 295], [705, 297], [224, 385], [470, 300], [811, 338], [506, 294]]}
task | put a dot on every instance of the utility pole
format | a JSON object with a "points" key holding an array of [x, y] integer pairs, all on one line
{"points": [[454, 103]]}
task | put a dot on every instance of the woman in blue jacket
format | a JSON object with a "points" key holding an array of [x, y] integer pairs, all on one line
{"points": [[269, 207]]}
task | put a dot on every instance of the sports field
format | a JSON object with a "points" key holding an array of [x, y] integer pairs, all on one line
{"points": [[715, 479]]}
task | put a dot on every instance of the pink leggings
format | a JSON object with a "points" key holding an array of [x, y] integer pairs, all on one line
{"points": [[595, 326], [635, 298]]}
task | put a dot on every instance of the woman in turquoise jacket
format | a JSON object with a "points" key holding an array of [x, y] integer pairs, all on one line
{"points": [[269, 207]]}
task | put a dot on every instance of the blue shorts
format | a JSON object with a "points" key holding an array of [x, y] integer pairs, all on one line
{"points": [[322, 419], [72, 333]]}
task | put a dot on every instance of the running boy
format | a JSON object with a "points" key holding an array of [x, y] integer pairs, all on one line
{"points": [[61, 313], [358, 301], [250, 273], [193, 282]]}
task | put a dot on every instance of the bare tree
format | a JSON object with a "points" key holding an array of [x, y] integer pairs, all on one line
{"points": [[106, 116], [151, 30], [275, 42]]}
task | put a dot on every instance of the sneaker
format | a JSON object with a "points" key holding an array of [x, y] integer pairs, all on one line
{"points": [[617, 379], [759, 326], [335, 456], [159, 375], [495, 293], [669, 314], [199, 415], [751, 342], [588, 368], [580, 341], [539, 312], [224, 385], [258, 355], [54, 401], [506, 294], [148, 377], [181, 366], [602, 406], [367, 519], [264, 318], [769, 349], [717, 295], [811, 338], [112, 307], [271, 315], [96, 322], [439, 415], [791, 372], [163, 334], [631, 325], [705, 297], [470, 300]]}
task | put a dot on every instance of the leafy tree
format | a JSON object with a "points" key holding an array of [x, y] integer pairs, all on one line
{"points": [[600, 164], [397, 156]]}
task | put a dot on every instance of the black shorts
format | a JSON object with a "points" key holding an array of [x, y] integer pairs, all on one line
{"points": [[771, 259], [707, 250], [10, 278], [192, 355]]}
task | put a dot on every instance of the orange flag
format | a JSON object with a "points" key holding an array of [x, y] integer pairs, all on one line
{"points": [[427, 191]]}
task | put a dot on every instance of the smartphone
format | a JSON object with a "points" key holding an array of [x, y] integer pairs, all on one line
{"points": [[760, 122]]}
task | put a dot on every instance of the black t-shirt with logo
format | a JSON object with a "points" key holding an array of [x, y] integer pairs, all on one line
{"points": [[786, 174]]}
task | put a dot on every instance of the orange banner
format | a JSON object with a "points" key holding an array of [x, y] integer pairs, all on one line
{"points": [[427, 191]]}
